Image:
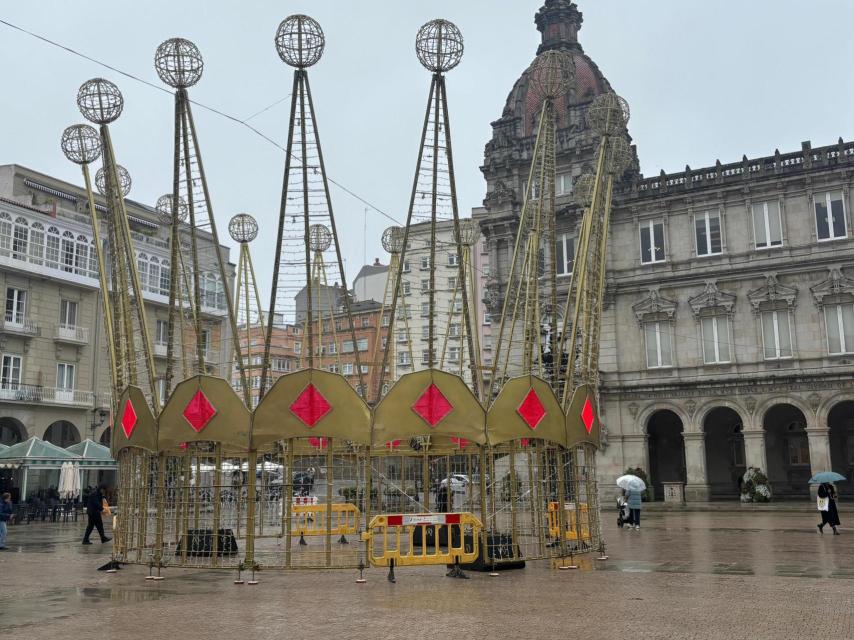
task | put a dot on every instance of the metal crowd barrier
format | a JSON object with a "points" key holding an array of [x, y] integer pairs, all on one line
{"points": [[423, 539], [311, 520], [571, 517]]}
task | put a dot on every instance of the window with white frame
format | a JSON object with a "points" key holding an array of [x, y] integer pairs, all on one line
{"points": [[10, 374], [454, 330], [839, 320], [366, 322], [347, 346], [659, 344], [161, 389], [364, 369], [20, 238], [716, 339], [347, 368], [425, 332], [425, 286], [707, 233], [830, 216], [67, 252], [16, 305], [334, 368], [767, 225], [81, 256], [405, 287], [406, 268], [425, 356], [453, 259], [67, 314], [425, 262], [652, 241], [37, 243], [65, 376], [165, 276], [452, 283], [5, 233], [362, 344], [776, 334], [206, 342], [154, 275], [386, 319], [425, 309], [52, 248], [564, 254], [563, 184], [403, 358], [298, 348], [453, 354], [487, 319]]}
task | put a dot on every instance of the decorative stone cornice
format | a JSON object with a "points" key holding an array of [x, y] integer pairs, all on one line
{"points": [[654, 303], [712, 298], [500, 195], [836, 284], [772, 292]]}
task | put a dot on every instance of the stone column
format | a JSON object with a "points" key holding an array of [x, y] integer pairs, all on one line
{"points": [[819, 439], [754, 449], [697, 485]]}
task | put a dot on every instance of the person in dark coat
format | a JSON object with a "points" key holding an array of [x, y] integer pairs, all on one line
{"points": [[442, 499], [827, 507], [94, 507], [6, 515]]}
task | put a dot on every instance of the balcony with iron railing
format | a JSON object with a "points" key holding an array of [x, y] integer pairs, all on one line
{"points": [[11, 391], [71, 333], [20, 324]]}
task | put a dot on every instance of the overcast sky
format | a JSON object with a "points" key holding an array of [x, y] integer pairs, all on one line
{"points": [[705, 80]]}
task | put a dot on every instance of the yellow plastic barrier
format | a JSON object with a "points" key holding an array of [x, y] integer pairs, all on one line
{"points": [[570, 521], [392, 541], [310, 520]]}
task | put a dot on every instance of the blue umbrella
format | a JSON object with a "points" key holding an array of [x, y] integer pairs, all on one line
{"points": [[827, 476]]}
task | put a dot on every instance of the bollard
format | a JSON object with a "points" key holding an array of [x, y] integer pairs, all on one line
{"points": [[361, 578], [239, 569], [602, 557], [456, 571], [255, 567], [391, 577]]}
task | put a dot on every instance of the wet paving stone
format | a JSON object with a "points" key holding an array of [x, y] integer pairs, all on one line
{"points": [[698, 575]]}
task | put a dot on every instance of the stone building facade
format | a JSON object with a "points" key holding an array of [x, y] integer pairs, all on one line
{"points": [[728, 329], [55, 378]]}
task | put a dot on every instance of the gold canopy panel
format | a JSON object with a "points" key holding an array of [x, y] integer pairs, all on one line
{"points": [[311, 403], [204, 408], [135, 425], [526, 407], [429, 403], [583, 408]]}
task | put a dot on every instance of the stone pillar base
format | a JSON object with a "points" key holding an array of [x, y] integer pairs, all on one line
{"points": [[697, 493]]}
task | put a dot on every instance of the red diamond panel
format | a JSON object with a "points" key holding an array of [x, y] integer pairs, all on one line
{"points": [[199, 411], [432, 406], [532, 410], [587, 415], [129, 419], [310, 406]]}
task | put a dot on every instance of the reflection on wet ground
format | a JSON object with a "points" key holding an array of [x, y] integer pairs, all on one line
{"points": [[681, 570]]}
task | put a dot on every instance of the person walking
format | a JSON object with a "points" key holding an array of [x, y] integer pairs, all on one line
{"points": [[826, 504], [633, 497], [94, 507], [6, 516]]}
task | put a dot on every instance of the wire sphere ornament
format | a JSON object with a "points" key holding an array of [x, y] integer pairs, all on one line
{"points": [[439, 45], [608, 114], [469, 232], [620, 155], [243, 228], [100, 101], [393, 240], [300, 41], [582, 190], [164, 209], [81, 144], [319, 237], [125, 182], [552, 74], [179, 63]]}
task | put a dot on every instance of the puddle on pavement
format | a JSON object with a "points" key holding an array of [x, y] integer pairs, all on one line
{"points": [[60, 603]]}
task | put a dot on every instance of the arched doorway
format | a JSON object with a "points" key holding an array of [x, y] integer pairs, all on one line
{"points": [[105, 437], [62, 433], [12, 431], [666, 450], [787, 451], [725, 465], [840, 421]]}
